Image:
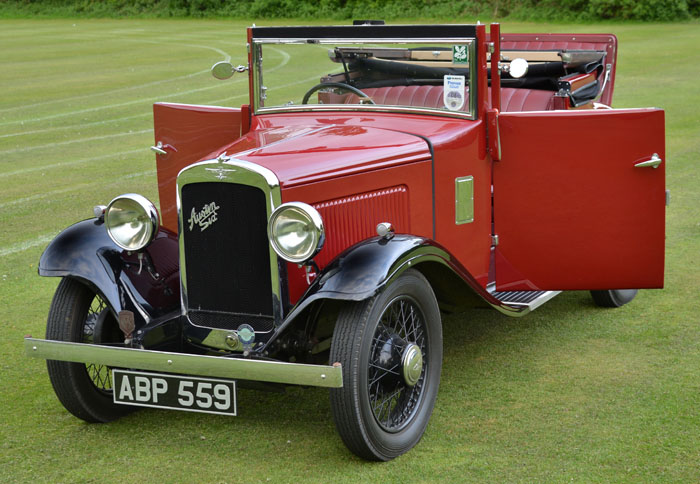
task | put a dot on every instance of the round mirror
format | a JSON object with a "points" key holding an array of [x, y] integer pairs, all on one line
{"points": [[222, 70], [518, 68]]}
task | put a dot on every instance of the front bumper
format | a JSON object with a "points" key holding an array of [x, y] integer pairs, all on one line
{"points": [[186, 364]]}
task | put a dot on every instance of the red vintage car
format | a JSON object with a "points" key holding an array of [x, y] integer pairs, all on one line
{"points": [[377, 175]]}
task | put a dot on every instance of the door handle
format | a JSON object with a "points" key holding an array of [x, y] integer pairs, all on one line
{"points": [[653, 162], [158, 148], [162, 149]]}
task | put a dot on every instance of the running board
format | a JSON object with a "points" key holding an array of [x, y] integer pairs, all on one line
{"points": [[519, 303]]}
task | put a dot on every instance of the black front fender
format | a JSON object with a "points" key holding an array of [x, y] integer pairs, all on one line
{"points": [[363, 270], [149, 287], [367, 268]]}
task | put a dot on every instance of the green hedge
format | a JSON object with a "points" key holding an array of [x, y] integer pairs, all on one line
{"points": [[582, 10]]}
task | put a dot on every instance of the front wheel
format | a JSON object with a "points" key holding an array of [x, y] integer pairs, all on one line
{"points": [[78, 314], [390, 347]]}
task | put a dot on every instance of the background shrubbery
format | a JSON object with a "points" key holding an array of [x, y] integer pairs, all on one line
{"points": [[583, 10]]}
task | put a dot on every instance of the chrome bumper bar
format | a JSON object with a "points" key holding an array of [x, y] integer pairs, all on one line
{"points": [[186, 364]]}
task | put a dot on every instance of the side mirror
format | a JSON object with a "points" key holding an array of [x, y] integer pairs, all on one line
{"points": [[224, 70]]}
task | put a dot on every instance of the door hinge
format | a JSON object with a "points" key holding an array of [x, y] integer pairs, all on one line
{"points": [[494, 240], [493, 135]]}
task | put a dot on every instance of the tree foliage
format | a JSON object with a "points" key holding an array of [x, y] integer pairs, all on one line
{"points": [[569, 10]]}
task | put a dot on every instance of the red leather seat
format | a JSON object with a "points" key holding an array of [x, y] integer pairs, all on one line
{"points": [[431, 96]]}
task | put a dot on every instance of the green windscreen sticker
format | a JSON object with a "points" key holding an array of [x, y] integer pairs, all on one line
{"points": [[460, 54]]}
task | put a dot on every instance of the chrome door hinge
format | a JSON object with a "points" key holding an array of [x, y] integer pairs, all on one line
{"points": [[494, 240]]}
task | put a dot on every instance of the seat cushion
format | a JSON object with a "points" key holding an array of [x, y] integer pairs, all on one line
{"points": [[431, 96]]}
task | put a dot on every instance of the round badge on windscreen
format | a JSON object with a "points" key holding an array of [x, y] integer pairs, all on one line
{"points": [[453, 92]]}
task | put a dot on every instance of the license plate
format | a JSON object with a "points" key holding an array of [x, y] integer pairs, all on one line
{"points": [[175, 392]]}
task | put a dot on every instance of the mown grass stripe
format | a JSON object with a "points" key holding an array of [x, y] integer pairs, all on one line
{"points": [[72, 189], [102, 93], [112, 106], [27, 244], [76, 126], [73, 141], [65, 164]]}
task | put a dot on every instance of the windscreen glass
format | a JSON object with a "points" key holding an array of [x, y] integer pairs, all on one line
{"points": [[425, 75]]}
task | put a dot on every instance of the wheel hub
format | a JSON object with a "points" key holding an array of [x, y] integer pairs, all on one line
{"points": [[411, 364]]}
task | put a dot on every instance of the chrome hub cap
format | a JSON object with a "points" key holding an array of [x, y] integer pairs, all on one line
{"points": [[411, 364]]}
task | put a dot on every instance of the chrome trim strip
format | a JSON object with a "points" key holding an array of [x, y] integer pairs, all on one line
{"points": [[246, 173], [367, 108], [473, 91], [384, 40], [186, 364]]}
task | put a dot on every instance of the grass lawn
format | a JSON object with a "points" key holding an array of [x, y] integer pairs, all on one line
{"points": [[570, 393]]}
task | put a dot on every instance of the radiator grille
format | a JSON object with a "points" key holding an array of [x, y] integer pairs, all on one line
{"points": [[211, 319], [227, 259]]}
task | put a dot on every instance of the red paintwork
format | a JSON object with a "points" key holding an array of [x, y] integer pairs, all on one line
{"points": [[360, 168], [460, 150], [329, 151], [188, 133], [349, 220], [494, 135], [352, 219], [571, 210], [495, 36], [245, 119]]}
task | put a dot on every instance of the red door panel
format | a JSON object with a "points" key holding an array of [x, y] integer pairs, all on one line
{"points": [[187, 133], [571, 210]]}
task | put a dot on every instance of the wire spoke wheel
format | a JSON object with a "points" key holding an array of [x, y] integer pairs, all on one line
{"points": [[100, 375], [393, 401], [390, 349]]}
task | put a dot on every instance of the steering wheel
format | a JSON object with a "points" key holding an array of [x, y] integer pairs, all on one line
{"points": [[340, 85]]}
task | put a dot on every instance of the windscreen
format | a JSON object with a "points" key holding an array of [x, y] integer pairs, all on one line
{"points": [[423, 75]]}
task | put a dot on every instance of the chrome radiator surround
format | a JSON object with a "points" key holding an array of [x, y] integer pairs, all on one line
{"points": [[229, 170]]}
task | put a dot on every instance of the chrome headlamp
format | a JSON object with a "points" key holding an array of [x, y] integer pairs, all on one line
{"points": [[296, 231], [132, 221]]}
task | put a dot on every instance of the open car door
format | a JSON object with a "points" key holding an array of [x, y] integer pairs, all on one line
{"points": [[185, 133], [579, 200]]}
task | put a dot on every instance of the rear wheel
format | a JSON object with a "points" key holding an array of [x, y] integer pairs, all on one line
{"points": [[390, 347], [613, 298], [78, 314]]}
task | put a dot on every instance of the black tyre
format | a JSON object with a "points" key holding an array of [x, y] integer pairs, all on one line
{"points": [[390, 347], [613, 298], [79, 314]]}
